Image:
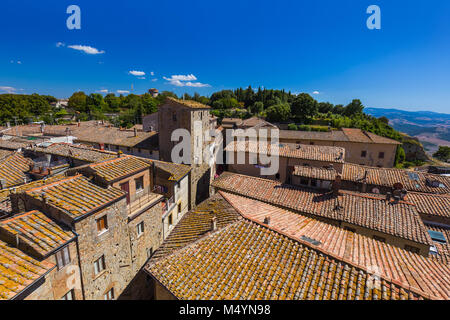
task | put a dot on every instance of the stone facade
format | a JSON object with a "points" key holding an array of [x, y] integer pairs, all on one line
{"points": [[177, 116]]}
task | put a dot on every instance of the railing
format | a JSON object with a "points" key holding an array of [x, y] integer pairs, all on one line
{"points": [[167, 204], [141, 199]]}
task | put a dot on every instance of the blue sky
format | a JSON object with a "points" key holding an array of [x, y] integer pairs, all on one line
{"points": [[320, 46]]}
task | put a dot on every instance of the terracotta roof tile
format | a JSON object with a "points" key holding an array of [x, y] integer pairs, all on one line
{"points": [[411, 180], [428, 275], [13, 168], [113, 169], [245, 260], [175, 170], [18, 271], [37, 231], [76, 196], [315, 173], [307, 152], [430, 204], [401, 220], [78, 152], [187, 103]]}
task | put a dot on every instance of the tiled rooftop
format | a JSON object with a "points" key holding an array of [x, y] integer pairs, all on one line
{"points": [[245, 260], [41, 234], [18, 271], [307, 152], [78, 152], [91, 133], [430, 204], [117, 168], [411, 180], [400, 220], [175, 170], [404, 267], [187, 103], [13, 168], [315, 173], [12, 145], [76, 195], [344, 135], [196, 223]]}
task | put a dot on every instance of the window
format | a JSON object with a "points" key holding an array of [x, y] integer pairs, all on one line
{"points": [[412, 249], [381, 239], [68, 296], [313, 183], [437, 236], [363, 154], [102, 224], [139, 150], [63, 257], [128, 149], [277, 176], [170, 220], [110, 294], [311, 143], [304, 182], [381, 155], [174, 116], [140, 229], [99, 265], [139, 183], [179, 207]]}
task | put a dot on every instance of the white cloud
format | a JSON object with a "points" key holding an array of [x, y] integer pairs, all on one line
{"points": [[152, 73], [141, 78], [181, 77], [8, 89], [60, 44], [154, 80], [185, 81], [316, 92], [123, 91], [86, 49], [137, 73], [18, 61], [103, 91]]}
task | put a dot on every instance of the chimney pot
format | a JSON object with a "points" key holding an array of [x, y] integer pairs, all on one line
{"points": [[213, 224], [267, 220]]}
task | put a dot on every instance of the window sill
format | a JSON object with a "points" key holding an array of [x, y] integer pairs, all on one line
{"points": [[102, 232], [96, 276]]}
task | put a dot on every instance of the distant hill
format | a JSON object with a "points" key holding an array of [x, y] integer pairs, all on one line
{"points": [[431, 128]]}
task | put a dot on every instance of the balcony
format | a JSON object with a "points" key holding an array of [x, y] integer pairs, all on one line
{"points": [[142, 199], [168, 205]]}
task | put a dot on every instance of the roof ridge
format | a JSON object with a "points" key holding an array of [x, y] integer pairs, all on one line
{"points": [[326, 252], [110, 160], [20, 215], [55, 183]]}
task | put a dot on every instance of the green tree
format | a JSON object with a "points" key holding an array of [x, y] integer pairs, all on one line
{"points": [[354, 108], [278, 112], [78, 102], [443, 153], [113, 102], [325, 107], [304, 106], [384, 120], [400, 156], [257, 107]]}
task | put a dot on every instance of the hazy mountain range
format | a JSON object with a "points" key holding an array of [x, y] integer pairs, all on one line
{"points": [[432, 129]]}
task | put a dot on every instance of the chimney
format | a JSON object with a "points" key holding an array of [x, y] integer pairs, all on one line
{"points": [[119, 153], [213, 224], [388, 196], [266, 220], [135, 132], [78, 123], [336, 185]]}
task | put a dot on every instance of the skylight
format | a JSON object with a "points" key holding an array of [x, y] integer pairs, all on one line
{"points": [[437, 236]]}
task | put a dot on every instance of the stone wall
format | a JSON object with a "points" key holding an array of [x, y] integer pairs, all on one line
{"points": [[113, 244]]}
